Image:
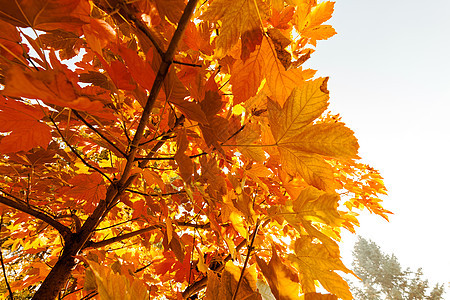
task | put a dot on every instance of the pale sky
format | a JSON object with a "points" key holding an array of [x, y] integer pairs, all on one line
{"points": [[389, 68]]}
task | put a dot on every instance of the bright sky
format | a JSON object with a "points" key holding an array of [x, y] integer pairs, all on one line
{"points": [[389, 68]]}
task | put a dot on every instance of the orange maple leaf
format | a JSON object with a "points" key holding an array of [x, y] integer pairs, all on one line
{"points": [[23, 124]]}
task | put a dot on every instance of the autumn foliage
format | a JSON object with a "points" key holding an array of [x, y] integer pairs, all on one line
{"points": [[156, 149]]}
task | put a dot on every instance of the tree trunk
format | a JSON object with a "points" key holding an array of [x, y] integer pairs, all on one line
{"points": [[57, 278], [60, 273]]}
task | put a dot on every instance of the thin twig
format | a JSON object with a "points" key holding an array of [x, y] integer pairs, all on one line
{"points": [[90, 295], [3, 266], [167, 135], [72, 292], [115, 225], [249, 250], [98, 132], [161, 136], [143, 268], [155, 195], [121, 237], [187, 64], [166, 158], [76, 153], [193, 225]]}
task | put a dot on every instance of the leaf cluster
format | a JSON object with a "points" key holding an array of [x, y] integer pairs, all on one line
{"points": [[156, 148]]}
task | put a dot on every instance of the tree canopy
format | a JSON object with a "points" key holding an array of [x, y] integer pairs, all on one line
{"points": [[173, 149], [383, 277]]}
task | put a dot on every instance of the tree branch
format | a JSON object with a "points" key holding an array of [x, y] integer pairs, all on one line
{"points": [[76, 153], [121, 237], [142, 27], [157, 85], [62, 269], [23, 207], [98, 132], [155, 195]]}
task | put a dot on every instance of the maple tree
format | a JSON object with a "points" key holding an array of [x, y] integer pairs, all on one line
{"points": [[173, 149]]}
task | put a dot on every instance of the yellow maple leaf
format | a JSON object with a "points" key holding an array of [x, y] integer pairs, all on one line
{"points": [[315, 263], [279, 82], [302, 145], [315, 206], [237, 17], [224, 287], [311, 167], [282, 280], [301, 108], [247, 139], [322, 12], [321, 32], [318, 206], [308, 20], [328, 139]]}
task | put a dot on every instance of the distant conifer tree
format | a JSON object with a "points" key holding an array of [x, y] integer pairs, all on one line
{"points": [[383, 277]]}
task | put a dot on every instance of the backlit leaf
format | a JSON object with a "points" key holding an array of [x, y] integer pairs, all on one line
{"points": [[303, 106], [279, 82], [283, 281], [312, 167], [327, 139], [16, 119], [237, 17], [67, 42], [172, 9], [246, 76], [51, 86], [44, 15], [114, 286], [321, 13], [223, 288], [314, 263]]}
